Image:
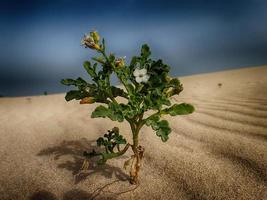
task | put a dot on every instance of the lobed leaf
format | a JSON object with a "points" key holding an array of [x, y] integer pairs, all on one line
{"points": [[90, 70], [145, 51], [161, 127], [74, 94], [179, 109], [101, 111], [113, 112]]}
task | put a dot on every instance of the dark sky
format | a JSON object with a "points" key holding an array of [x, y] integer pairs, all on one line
{"points": [[40, 39]]}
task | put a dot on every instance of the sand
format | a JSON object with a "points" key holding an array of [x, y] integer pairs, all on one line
{"points": [[219, 152]]}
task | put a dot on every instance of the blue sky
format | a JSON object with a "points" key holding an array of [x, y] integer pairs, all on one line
{"points": [[40, 40]]}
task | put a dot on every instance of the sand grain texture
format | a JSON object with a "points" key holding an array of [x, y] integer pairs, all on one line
{"points": [[219, 152]]}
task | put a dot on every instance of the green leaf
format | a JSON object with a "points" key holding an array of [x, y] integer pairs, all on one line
{"points": [[120, 140], [111, 57], [78, 82], [152, 120], [113, 112], [179, 109], [99, 59], [163, 130], [90, 70], [101, 111], [175, 82], [118, 92], [74, 94], [68, 82], [161, 127], [116, 112], [145, 51], [104, 44], [133, 61], [81, 82]]}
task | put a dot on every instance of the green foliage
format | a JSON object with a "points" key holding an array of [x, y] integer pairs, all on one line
{"points": [[74, 94], [113, 112], [160, 126], [179, 109], [145, 51], [147, 87], [90, 70], [109, 141]]}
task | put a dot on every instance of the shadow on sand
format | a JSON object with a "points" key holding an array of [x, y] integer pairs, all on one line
{"points": [[74, 194], [74, 151], [77, 194]]}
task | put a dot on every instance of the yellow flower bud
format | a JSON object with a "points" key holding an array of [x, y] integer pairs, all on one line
{"points": [[90, 42], [87, 100], [97, 47], [95, 36], [119, 62], [168, 78]]}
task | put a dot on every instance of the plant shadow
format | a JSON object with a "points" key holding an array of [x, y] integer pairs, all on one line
{"points": [[43, 195], [74, 194], [73, 151], [78, 194]]}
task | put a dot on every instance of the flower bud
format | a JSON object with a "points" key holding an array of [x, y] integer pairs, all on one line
{"points": [[91, 41], [87, 100], [95, 36], [116, 130], [168, 78], [119, 62]]}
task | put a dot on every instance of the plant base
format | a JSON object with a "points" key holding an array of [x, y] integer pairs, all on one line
{"points": [[136, 164]]}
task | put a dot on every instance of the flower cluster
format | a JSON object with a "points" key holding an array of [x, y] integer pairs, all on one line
{"points": [[91, 41]]}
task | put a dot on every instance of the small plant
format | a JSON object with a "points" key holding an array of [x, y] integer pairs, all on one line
{"points": [[147, 87]]}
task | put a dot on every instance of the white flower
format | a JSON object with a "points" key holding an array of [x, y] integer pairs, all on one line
{"points": [[141, 75], [87, 39]]}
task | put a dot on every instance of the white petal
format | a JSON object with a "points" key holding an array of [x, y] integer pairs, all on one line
{"points": [[136, 72], [145, 78], [138, 79], [87, 37], [143, 71]]}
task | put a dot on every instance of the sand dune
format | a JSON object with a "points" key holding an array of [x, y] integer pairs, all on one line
{"points": [[219, 152]]}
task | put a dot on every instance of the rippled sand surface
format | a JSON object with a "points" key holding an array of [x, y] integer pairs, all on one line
{"points": [[219, 152]]}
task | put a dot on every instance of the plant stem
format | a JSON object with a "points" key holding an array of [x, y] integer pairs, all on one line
{"points": [[136, 124], [137, 149], [107, 156]]}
